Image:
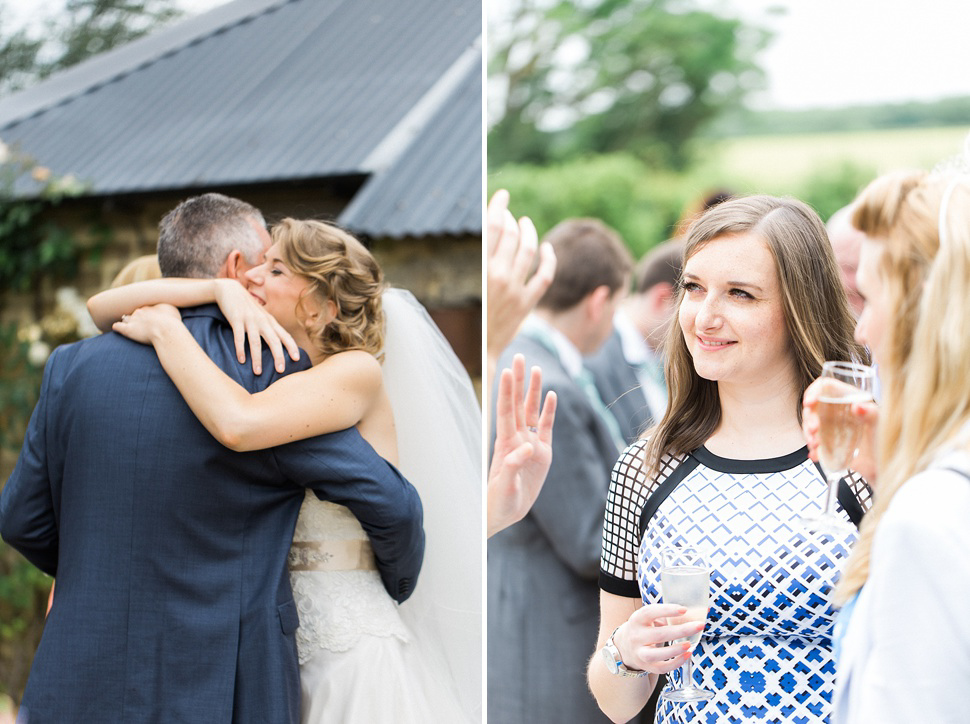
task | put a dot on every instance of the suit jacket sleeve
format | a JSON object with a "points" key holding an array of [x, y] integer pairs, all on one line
{"points": [[342, 468], [27, 517], [571, 506]]}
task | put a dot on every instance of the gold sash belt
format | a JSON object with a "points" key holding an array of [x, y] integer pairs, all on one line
{"points": [[332, 555]]}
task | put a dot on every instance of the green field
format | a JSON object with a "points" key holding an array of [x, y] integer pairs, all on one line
{"points": [[773, 163]]}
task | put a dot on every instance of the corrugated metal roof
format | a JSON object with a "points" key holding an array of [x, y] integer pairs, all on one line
{"points": [[257, 91], [435, 186]]}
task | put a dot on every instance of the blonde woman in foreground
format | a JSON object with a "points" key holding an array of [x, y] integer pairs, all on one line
{"points": [[903, 633]]}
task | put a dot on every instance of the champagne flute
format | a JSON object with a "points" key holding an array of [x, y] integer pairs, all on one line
{"points": [[685, 580], [843, 385]]}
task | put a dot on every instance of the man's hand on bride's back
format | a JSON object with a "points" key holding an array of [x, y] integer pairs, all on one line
{"points": [[249, 320]]}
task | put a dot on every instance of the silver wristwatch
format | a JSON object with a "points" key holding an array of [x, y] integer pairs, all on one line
{"points": [[611, 656]]}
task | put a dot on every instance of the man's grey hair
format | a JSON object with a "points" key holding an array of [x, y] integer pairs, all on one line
{"points": [[196, 237]]}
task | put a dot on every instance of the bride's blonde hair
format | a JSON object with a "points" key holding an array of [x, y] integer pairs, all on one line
{"points": [[340, 270], [925, 396]]}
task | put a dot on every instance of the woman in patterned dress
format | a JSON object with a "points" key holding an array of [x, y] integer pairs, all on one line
{"points": [[761, 307], [363, 659]]}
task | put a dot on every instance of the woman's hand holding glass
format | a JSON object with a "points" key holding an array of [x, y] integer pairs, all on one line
{"points": [[647, 642], [867, 413], [841, 390], [249, 320]]}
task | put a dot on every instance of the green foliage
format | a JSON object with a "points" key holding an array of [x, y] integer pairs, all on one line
{"points": [[80, 29], [33, 250], [18, 55], [95, 26], [19, 387], [829, 188], [642, 204], [915, 114], [23, 588], [645, 205], [638, 76], [23, 599]]}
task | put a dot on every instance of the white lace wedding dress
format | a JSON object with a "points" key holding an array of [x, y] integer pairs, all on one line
{"points": [[363, 658]]}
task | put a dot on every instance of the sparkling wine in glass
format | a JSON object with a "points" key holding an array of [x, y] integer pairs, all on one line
{"points": [[685, 580], [843, 385]]}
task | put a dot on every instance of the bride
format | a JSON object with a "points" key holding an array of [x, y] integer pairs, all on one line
{"points": [[362, 657]]}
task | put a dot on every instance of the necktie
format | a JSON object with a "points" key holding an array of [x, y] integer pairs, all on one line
{"points": [[653, 370], [585, 382], [588, 386]]}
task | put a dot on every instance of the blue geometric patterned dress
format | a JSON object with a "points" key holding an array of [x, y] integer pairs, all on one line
{"points": [[766, 652]]}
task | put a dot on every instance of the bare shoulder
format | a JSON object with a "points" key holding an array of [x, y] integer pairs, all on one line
{"points": [[353, 368]]}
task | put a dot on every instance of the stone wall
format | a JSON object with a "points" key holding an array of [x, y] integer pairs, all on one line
{"points": [[444, 273]]}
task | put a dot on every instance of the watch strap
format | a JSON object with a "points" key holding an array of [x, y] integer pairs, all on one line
{"points": [[622, 669]]}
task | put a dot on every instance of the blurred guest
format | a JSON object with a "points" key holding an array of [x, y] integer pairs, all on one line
{"points": [[521, 456], [693, 210], [760, 308], [903, 627], [138, 270], [542, 570], [629, 368], [846, 243]]}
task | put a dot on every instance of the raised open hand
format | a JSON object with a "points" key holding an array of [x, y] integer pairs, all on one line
{"points": [[523, 446], [512, 293]]}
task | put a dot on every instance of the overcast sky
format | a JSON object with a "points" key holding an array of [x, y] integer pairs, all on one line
{"points": [[838, 52]]}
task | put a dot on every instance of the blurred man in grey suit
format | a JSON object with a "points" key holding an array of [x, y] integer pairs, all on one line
{"points": [[628, 368], [542, 572]]}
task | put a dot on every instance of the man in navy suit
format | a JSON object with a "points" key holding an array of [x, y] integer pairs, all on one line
{"points": [[173, 602]]}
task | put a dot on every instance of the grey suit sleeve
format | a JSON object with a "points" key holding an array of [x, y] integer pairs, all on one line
{"points": [[571, 506], [28, 521], [342, 468]]}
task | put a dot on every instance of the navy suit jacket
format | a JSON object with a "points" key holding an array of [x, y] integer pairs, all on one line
{"points": [[173, 602]]}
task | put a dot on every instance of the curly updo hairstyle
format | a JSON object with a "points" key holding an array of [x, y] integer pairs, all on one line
{"points": [[341, 270]]}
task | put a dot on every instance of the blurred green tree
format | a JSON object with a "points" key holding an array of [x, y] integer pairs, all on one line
{"points": [[80, 29], [597, 76]]}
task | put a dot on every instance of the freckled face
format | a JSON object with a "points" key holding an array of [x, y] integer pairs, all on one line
{"points": [[871, 328], [278, 289], [732, 315]]}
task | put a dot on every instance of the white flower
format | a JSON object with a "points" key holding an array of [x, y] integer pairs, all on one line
{"points": [[38, 352], [69, 300]]}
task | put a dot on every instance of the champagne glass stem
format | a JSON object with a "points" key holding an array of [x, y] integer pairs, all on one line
{"points": [[687, 673], [832, 495]]}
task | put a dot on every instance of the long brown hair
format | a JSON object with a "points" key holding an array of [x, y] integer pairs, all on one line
{"points": [[925, 396], [817, 316]]}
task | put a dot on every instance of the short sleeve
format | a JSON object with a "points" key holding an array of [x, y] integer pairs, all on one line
{"points": [[621, 524]]}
